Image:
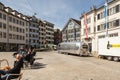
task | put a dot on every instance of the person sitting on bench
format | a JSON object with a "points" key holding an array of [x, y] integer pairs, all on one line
{"points": [[18, 64], [30, 57]]}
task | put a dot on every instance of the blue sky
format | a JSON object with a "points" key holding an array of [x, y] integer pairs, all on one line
{"points": [[55, 11]]}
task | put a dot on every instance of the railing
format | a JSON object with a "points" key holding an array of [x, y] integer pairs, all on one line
{"points": [[5, 61]]}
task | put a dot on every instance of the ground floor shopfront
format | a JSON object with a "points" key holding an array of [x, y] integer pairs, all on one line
{"points": [[10, 46]]}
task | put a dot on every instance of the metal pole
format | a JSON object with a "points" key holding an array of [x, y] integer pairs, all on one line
{"points": [[106, 17]]}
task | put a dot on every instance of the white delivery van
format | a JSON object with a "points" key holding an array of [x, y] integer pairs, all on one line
{"points": [[109, 48]]}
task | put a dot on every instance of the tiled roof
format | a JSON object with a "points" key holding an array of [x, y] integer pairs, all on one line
{"points": [[77, 21]]}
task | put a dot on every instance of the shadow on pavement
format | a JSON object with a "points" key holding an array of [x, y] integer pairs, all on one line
{"points": [[79, 55], [38, 65], [38, 58]]}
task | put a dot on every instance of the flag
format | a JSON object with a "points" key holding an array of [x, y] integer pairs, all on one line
{"points": [[105, 9], [105, 15], [86, 27]]}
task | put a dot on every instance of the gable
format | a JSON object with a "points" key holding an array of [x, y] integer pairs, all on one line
{"points": [[71, 24]]}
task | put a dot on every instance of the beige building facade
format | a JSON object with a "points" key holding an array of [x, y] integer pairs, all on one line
{"points": [[12, 28], [49, 33], [42, 34], [17, 29]]}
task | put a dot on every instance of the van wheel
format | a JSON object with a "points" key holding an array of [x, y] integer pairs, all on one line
{"points": [[116, 59], [109, 58]]}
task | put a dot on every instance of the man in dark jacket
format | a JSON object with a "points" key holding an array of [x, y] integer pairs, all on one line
{"points": [[15, 70]]}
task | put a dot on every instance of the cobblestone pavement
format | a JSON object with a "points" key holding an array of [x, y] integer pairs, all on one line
{"points": [[54, 66]]}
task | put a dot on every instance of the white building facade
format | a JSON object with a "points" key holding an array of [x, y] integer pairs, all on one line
{"points": [[113, 22], [71, 31], [96, 27], [91, 32]]}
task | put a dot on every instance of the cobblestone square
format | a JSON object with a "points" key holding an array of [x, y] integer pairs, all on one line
{"points": [[54, 66]]}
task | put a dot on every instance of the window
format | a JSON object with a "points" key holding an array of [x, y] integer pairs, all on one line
{"points": [[23, 37], [94, 29], [117, 8], [98, 16], [23, 30], [17, 29], [108, 12], [33, 30], [88, 20], [0, 34], [17, 22], [113, 35], [111, 11], [26, 40], [26, 29], [10, 27], [20, 30], [23, 23], [101, 36], [20, 23], [33, 25], [77, 29], [29, 35], [20, 37], [26, 35], [114, 10], [13, 20], [114, 23], [4, 26], [0, 15], [77, 35], [98, 28], [102, 15], [0, 24], [10, 36], [10, 19], [117, 23], [84, 32], [110, 24], [4, 35], [26, 23], [14, 28], [4, 16], [33, 41], [17, 36], [14, 36]]}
